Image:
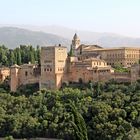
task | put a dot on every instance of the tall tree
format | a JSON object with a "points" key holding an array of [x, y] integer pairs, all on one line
{"points": [[71, 53], [78, 123], [38, 53], [11, 57], [18, 56]]}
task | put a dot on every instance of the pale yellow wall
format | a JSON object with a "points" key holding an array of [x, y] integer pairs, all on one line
{"points": [[60, 59], [73, 59], [99, 63], [59, 80], [91, 62], [4, 72]]}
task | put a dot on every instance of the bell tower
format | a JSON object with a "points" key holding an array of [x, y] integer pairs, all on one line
{"points": [[75, 43]]}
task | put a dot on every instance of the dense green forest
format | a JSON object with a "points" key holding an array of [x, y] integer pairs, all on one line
{"points": [[20, 55], [96, 111]]}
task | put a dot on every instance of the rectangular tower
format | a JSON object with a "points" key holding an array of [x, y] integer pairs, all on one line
{"points": [[53, 66]]}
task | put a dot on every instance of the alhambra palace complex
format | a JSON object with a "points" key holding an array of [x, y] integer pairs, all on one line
{"points": [[87, 63]]}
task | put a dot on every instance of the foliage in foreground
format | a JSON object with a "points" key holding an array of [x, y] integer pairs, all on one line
{"points": [[102, 111]]}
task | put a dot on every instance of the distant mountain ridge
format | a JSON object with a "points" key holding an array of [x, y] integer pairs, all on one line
{"points": [[13, 37], [102, 39], [53, 35]]}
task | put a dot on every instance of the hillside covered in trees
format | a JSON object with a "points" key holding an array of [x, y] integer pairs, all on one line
{"points": [[96, 111]]}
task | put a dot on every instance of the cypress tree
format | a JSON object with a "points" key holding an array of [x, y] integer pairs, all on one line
{"points": [[71, 53], [32, 58], [78, 123], [18, 57], [11, 57], [38, 53]]}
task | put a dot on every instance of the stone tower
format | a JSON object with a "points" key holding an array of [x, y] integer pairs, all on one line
{"points": [[53, 66], [14, 82], [75, 43]]}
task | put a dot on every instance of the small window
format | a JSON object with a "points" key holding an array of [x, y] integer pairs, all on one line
{"points": [[26, 73]]}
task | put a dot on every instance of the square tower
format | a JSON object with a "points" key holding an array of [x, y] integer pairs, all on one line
{"points": [[53, 66]]}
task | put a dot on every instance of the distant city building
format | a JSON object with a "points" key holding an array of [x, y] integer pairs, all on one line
{"points": [[75, 43]]}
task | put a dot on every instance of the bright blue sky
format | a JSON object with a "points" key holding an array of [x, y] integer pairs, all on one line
{"points": [[118, 16]]}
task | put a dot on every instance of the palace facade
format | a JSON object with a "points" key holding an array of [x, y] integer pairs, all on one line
{"points": [[125, 56], [85, 63]]}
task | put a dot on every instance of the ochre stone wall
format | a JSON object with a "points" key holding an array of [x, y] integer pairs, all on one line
{"points": [[80, 73], [27, 74], [53, 66], [22, 75]]}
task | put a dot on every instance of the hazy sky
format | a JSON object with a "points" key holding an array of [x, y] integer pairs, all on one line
{"points": [[118, 16]]}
